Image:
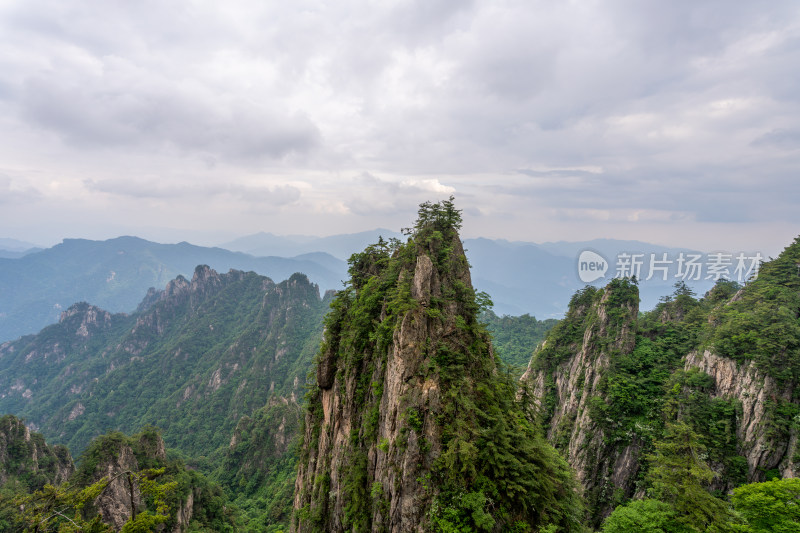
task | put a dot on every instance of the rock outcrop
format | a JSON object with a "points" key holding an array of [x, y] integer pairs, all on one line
{"points": [[566, 375], [26, 457], [764, 448], [408, 410], [120, 461], [399, 409], [122, 497]]}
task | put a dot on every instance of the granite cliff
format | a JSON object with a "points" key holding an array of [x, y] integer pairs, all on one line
{"points": [[411, 425]]}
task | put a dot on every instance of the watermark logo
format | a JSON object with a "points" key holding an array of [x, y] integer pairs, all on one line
{"points": [[686, 266], [591, 266]]}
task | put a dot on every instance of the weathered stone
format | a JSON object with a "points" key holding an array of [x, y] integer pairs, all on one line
{"points": [[745, 383]]}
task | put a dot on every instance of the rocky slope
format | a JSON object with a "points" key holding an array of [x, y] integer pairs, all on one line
{"points": [[568, 373], [410, 426], [756, 393], [194, 359], [607, 381], [122, 483], [27, 461]]}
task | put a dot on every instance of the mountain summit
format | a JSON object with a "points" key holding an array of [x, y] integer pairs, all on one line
{"points": [[411, 425]]}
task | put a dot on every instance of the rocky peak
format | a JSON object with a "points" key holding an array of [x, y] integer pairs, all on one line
{"points": [[205, 275], [25, 453], [85, 318], [396, 427], [566, 374], [119, 459], [204, 280]]}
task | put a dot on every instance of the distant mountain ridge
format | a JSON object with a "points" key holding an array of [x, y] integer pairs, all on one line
{"points": [[197, 356], [520, 277], [13, 248], [114, 274], [339, 246]]}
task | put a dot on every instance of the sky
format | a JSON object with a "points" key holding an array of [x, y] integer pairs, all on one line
{"points": [[669, 122]]}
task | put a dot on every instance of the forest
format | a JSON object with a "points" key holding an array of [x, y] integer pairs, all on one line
{"points": [[229, 402]]}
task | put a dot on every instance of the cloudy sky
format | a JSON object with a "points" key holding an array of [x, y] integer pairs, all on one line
{"points": [[671, 122]]}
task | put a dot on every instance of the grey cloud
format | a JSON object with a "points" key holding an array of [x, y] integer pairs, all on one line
{"points": [[704, 194], [274, 196], [779, 138], [371, 195], [164, 115], [556, 173], [155, 188], [689, 108], [139, 188], [11, 193]]}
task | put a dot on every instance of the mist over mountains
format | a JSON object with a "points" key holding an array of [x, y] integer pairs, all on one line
{"points": [[37, 285]]}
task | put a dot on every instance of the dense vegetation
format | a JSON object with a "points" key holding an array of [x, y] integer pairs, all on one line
{"points": [[515, 337], [685, 430], [114, 472], [207, 353], [219, 363], [203, 360], [492, 469], [260, 467]]}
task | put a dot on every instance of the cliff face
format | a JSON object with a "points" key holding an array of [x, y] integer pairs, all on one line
{"points": [[608, 383], [409, 412], [393, 413], [27, 459], [122, 497], [136, 475], [567, 375], [756, 393]]}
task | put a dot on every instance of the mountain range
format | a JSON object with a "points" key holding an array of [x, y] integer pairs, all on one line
{"points": [[37, 285], [387, 405]]}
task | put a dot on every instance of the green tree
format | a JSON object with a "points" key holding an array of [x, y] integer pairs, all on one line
{"points": [[772, 506], [679, 477], [644, 516]]}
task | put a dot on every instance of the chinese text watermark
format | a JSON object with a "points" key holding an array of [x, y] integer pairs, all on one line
{"points": [[685, 266]]}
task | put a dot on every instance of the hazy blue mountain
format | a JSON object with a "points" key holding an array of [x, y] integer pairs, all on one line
{"points": [[10, 254], [13, 248], [521, 277], [340, 246], [525, 277], [14, 245], [114, 274]]}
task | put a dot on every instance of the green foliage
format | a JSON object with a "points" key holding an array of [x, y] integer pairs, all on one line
{"points": [[513, 337], [644, 516], [679, 476], [26, 461], [495, 471], [440, 216], [769, 507], [564, 338], [762, 324], [165, 484], [192, 363], [59, 509]]}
